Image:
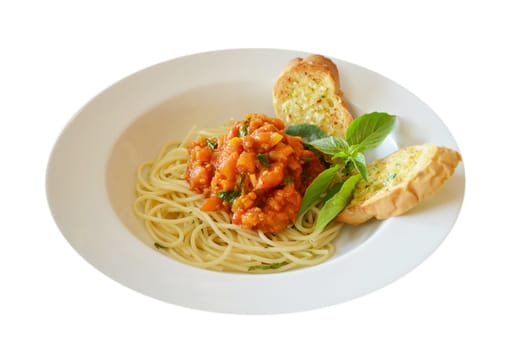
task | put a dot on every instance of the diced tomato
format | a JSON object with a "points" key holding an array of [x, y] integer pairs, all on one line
{"points": [[211, 204], [246, 162], [262, 165], [270, 178]]}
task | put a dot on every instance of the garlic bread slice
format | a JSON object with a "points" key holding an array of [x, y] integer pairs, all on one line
{"points": [[399, 182], [308, 91]]}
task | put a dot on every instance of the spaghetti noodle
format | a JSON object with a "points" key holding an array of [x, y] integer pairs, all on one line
{"points": [[173, 216]]}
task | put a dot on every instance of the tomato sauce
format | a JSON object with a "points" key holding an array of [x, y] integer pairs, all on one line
{"points": [[255, 171]]}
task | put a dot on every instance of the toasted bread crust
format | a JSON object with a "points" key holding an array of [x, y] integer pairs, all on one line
{"points": [[335, 118], [316, 63], [431, 176]]}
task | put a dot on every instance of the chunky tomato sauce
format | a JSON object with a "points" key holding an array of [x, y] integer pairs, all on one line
{"points": [[255, 171]]}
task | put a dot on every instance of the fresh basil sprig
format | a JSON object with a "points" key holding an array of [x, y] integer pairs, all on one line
{"points": [[365, 133], [340, 149]]}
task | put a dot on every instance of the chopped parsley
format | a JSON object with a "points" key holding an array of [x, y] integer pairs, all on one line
{"points": [[287, 180], [242, 179], [263, 159], [244, 129], [159, 246], [212, 143], [228, 196], [267, 267]]}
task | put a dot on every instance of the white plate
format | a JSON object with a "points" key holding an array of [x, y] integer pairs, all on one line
{"points": [[90, 183]]}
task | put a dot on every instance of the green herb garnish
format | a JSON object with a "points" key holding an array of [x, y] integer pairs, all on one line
{"points": [[267, 267], [317, 188], [331, 145], [160, 246], [244, 129], [370, 130], [212, 143], [308, 132], [242, 179], [263, 159], [332, 191], [360, 164], [336, 203], [365, 133], [228, 196]]}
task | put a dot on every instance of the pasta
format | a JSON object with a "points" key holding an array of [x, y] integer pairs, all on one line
{"points": [[172, 215]]}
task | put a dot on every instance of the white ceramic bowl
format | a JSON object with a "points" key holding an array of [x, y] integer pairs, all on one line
{"points": [[91, 179]]}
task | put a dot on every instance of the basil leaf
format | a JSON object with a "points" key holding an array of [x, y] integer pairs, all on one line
{"points": [[369, 130], [337, 203], [317, 188], [330, 145], [308, 132], [228, 196], [360, 164], [263, 159], [332, 191], [341, 155]]}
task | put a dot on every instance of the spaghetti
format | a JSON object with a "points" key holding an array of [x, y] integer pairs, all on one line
{"points": [[173, 216]]}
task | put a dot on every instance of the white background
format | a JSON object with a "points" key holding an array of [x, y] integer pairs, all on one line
{"points": [[58, 55]]}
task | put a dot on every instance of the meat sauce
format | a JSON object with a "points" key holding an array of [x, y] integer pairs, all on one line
{"points": [[255, 171]]}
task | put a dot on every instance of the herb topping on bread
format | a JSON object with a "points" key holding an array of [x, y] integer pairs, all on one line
{"points": [[399, 182], [308, 91]]}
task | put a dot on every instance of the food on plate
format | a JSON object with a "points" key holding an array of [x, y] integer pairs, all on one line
{"points": [[228, 199], [255, 171], [267, 194], [399, 182], [308, 91]]}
